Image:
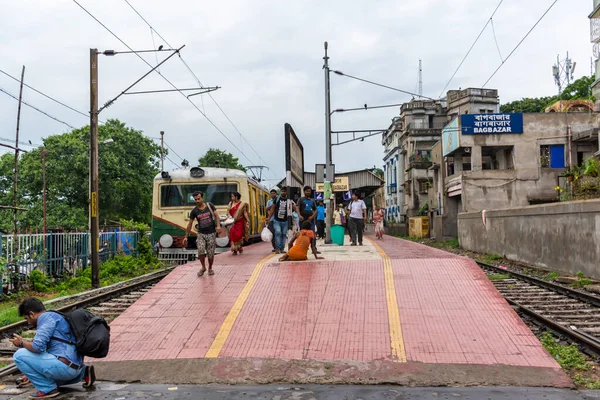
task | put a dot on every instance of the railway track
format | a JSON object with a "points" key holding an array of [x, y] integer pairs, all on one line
{"points": [[109, 304], [570, 313]]}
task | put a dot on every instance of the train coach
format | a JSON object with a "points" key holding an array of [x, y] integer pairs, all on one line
{"points": [[172, 202]]}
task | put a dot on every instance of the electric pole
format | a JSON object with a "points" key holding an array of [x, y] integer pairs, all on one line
{"points": [[16, 174], [162, 151], [94, 168], [420, 79], [44, 153], [328, 164]]}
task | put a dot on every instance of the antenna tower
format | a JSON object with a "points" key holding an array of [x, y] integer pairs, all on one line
{"points": [[563, 72], [420, 79]]}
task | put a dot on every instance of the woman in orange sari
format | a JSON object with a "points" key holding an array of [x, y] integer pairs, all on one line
{"points": [[300, 244], [239, 231]]}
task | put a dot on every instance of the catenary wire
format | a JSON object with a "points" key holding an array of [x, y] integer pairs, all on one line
{"points": [[496, 40], [471, 48], [165, 78], [519, 44], [381, 85], [197, 80], [37, 109], [48, 96]]}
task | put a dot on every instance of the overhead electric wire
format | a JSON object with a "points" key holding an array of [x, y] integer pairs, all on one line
{"points": [[380, 84], [519, 44], [47, 96], [199, 82], [37, 109], [471, 48], [169, 147], [496, 40], [162, 76]]}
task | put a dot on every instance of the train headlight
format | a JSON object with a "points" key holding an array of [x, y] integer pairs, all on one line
{"points": [[166, 240]]}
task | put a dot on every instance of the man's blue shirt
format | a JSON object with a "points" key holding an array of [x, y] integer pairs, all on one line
{"points": [[320, 213], [52, 324]]}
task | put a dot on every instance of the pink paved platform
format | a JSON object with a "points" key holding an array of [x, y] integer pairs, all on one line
{"points": [[449, 312]]}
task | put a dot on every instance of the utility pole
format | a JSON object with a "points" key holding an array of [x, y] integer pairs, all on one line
{"points": [[94, 167], [328, 164], [44, 153], [162, 151], [16, 174]]}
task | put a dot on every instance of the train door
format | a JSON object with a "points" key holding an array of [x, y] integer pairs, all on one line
{"points": [[254, 209], [262, 210]]}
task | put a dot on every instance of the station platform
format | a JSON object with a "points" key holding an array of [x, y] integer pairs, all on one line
{"points": [[391, 311]]}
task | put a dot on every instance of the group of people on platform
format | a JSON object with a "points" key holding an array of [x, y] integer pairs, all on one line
{"points": [[304, 219]]}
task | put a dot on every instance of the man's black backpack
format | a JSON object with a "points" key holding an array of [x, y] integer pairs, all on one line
{"points": [[92, 333]]}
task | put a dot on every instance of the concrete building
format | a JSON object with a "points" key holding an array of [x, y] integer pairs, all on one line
{"points": [[393, 177], [408, 144], [508, 160], [595, 39], [442, 220]]}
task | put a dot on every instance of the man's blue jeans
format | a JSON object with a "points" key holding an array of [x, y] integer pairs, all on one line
{"points": [[281, 228], [45, 371]]}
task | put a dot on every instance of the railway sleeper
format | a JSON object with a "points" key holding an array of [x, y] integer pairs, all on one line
{"points": [[550, 311], [555, 303]]}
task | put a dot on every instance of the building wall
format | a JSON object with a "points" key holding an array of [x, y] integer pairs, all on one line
{"points": [[503, 188], [560, 236]]}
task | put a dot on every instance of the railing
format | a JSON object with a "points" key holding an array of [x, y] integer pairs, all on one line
{"points": [[392, 188], [420, 157], [58, 254]]}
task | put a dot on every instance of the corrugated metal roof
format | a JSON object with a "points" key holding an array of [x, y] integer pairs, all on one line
{"points": [[356, 179]]}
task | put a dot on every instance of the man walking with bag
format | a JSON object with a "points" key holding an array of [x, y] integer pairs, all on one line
{"points": [[209, 224], [357, 211], [50, 360]]}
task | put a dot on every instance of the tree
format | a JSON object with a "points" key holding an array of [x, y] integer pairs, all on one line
{"points": [[221, 159], [127, 166], [578, 90]]}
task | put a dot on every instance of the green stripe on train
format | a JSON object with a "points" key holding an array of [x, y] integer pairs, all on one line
{"points": [[160, 228]]}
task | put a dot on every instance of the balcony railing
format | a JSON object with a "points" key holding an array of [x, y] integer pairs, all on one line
{"points": [[420, 159]]}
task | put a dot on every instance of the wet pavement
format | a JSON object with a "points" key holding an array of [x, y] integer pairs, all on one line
{"points": [[307, 392]]}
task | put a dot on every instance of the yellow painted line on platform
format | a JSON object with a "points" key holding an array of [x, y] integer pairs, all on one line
{"points": [[225, 330], [396, 338]]}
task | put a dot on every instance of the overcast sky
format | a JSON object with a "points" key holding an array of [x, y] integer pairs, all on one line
{"points": [[267, 57]]}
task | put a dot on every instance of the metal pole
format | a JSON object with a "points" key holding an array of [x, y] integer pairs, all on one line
{"points": [[162, 151], [16, 174], [44, 152], [328, 163], [94, 200]]}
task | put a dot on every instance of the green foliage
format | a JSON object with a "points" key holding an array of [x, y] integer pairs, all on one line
{"points": [[423, 210], [221, 159], [553, 275], [498, 277], [490, 258], [127, 167], [528, 105], [582, 280], [568, 357], [592, 167], [39, 283], [578, 90], [591, 384]]}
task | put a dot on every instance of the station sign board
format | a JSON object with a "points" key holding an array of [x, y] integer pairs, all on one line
{"points": [[294, 154], [340, 185], [491, 124]]}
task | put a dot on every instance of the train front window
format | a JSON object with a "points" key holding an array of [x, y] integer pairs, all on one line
{"points": [[218, 194]]}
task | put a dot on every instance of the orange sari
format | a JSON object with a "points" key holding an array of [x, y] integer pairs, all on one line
{"points": [[299, 252]]}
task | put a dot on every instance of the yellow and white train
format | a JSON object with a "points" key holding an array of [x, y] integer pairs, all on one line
{"points": [[172, 202]]}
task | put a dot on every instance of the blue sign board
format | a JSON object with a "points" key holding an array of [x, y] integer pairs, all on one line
{"points": [[347, 195], [491, 124], [450, 137], [319, 196]]}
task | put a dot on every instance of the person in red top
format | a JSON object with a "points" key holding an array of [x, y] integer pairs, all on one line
{"points": [[240, 229], [300, 244]]}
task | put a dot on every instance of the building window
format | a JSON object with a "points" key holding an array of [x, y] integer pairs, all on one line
{"points": [[497, 157], [423, 186], [552, 156]]}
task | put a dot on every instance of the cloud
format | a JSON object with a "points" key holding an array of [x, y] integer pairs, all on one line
{"points": [[267, 56]]}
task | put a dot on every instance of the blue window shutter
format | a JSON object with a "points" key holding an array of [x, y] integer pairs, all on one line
{"points": [[557, 156]]}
